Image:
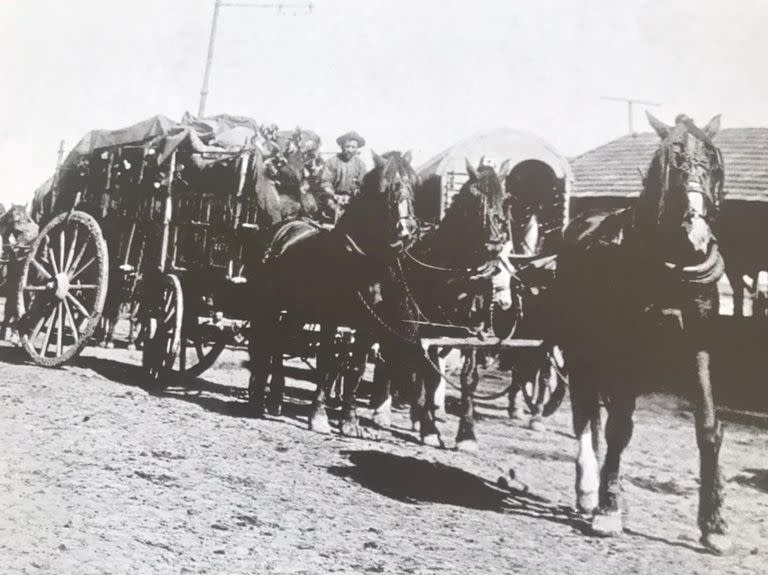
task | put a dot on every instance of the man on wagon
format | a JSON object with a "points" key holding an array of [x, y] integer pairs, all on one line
{"points": [[343, 173]]}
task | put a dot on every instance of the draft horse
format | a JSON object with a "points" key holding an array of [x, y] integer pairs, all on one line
{"points": [[622, 276], [448, 274], [309, 274]]}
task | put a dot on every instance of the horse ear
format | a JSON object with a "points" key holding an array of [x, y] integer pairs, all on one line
{"points": [[713, 127], [378, 161], [471, 171], [408, 157], [659, 127]]}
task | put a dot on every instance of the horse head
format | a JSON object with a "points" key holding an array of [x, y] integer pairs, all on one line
{"points": [[380, 219], [17, 223], [683, 190]]}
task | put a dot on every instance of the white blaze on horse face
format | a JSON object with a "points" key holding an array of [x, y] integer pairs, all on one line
{"points": [[698, 231], [403, 214], [696, 202]]}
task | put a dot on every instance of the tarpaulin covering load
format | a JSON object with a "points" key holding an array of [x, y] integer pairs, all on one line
{"points": [[215, 134]]}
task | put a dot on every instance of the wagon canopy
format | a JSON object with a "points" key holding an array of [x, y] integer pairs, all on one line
{"points": [[520, 157]]}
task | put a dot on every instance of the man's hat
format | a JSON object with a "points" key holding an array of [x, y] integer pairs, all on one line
{"points": [[341, 140]]}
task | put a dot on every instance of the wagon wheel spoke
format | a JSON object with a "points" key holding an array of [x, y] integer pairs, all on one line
{"points": [[71, 254], [52, 259], [78, 305], [41, 269], [60, 327], [37, 328], [48, 332], [76, 261], [62, 249], [183, 355], [39, 310], [82, 269], [71, 320]]}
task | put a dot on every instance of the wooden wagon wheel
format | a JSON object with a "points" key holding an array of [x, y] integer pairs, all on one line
{"points": [[202, 342], [162, 322], [545, 393], [62, 288]]}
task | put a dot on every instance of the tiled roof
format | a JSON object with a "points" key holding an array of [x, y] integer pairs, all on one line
{"points": [[612, 169]]}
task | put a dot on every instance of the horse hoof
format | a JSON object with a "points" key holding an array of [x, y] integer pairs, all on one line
{"points": [[607, 524], [131, 347], [356, 431], [382, 419], [536, 424], [110, 345], [717, 543], [275, 409], [319, 424], [432, 440], [382, 415], [516, 412], [587, 503], [468, 445], [102, 344]]}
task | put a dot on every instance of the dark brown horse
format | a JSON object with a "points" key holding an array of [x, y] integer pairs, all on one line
{"points": [[447, 280], [17, 232], [624, 275], [312, 275]]}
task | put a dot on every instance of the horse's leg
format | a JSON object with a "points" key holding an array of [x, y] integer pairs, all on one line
{"points": [[318, 418], [350, 423], [133, 323], [736, 279], [585, 410], [515, 409], [608, 520], [709, 437], [277, 381], [465, 437], [381, 396], [426, 388], [260, 364]]}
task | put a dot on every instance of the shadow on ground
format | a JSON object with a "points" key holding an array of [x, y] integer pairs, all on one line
{"points": [[755, 478], [416, 481]]}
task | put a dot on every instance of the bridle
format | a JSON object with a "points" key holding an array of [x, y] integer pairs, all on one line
{"points": [[400, 199], [702, 177], [702, 180]]}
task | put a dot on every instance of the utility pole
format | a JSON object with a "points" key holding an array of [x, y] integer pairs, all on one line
{"points": [[217, 5], [630, 102]]}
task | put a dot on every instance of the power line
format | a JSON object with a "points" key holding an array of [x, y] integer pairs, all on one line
{"points": [[630, 102], [218, 4]]}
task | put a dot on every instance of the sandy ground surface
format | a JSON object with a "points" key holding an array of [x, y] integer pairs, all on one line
{"points": [[98, 476]]}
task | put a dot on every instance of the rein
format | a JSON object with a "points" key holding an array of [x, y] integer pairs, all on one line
{"points": [[470, 271]]}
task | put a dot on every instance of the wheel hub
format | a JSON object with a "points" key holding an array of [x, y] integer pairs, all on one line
{"points": [[62, 285]]}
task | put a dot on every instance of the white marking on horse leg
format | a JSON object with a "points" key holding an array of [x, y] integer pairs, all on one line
{"points": [[587, 467]]}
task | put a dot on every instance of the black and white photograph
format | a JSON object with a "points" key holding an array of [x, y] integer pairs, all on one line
{"points": [[424, 287]]}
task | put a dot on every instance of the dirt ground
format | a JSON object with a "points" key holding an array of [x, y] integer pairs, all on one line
{"points": [[98, 476]]}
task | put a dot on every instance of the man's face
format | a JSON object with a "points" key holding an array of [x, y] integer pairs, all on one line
{"points": [[349, 149]]}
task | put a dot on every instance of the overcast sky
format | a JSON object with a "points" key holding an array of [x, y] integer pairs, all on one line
{"points": [[407, 74]]}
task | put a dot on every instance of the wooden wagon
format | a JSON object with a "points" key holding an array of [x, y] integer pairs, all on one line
{"points": [[154, 212]]}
